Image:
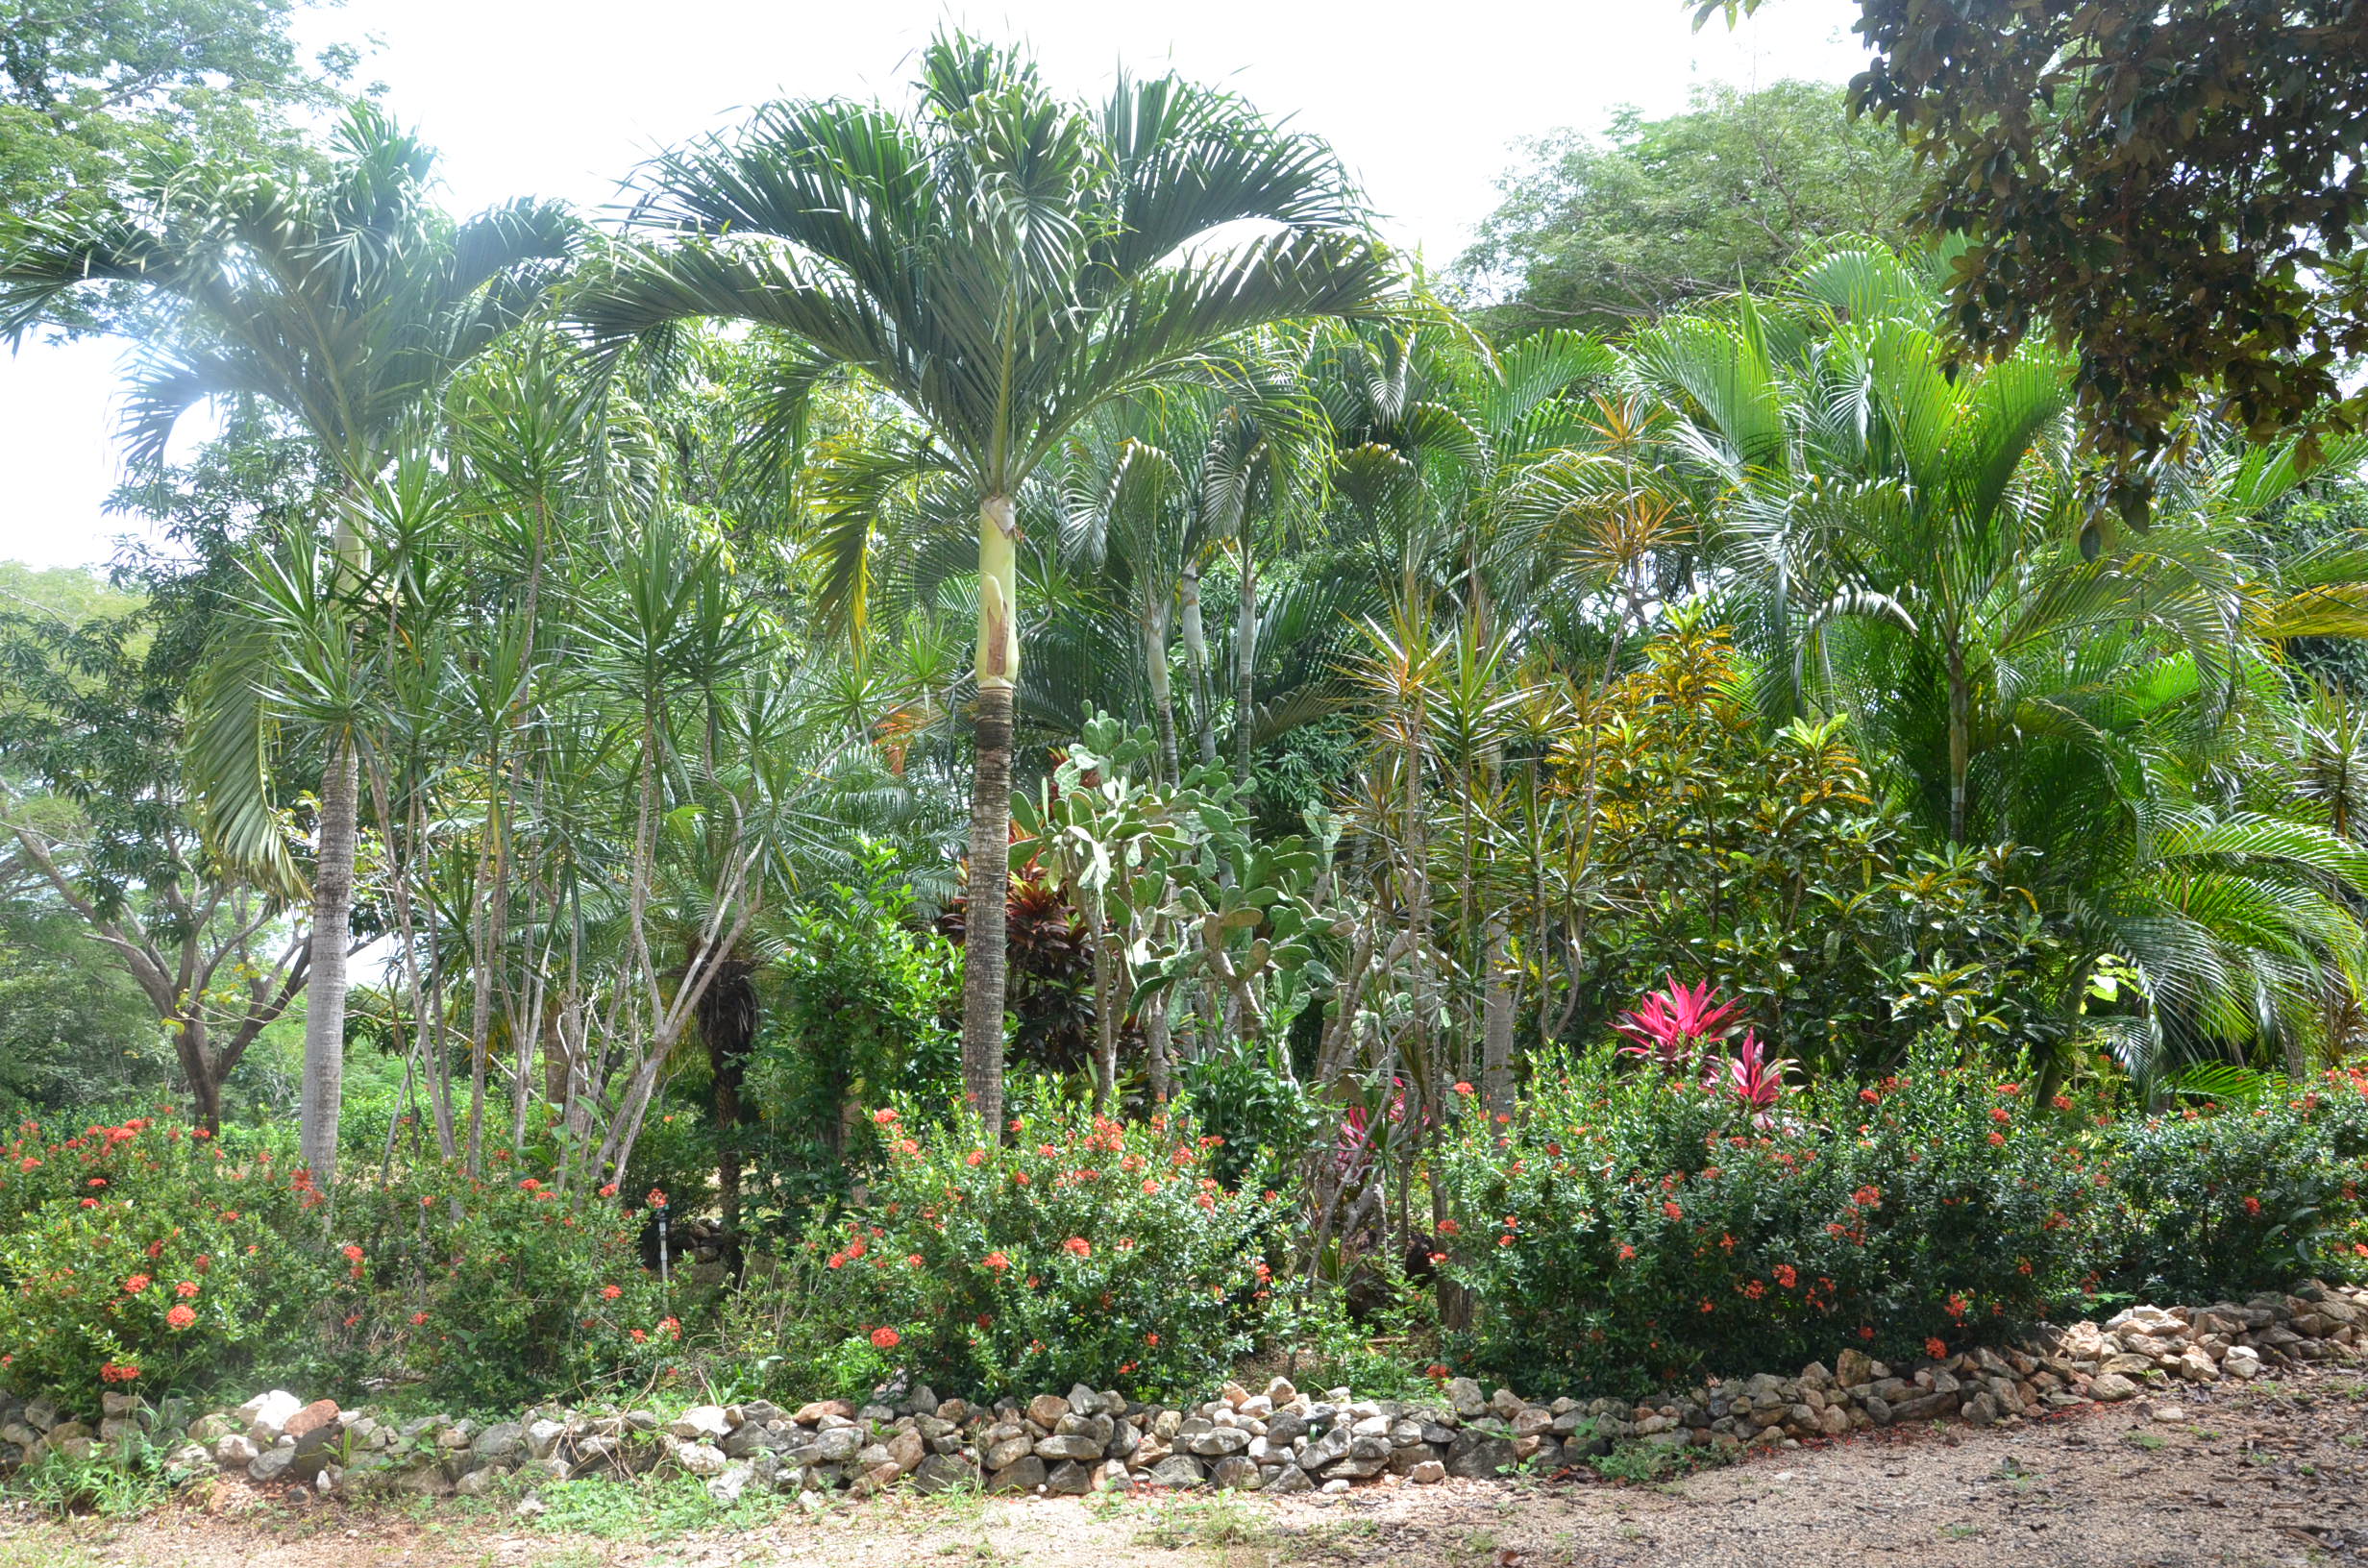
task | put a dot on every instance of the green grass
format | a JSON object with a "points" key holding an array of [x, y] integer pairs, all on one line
{"points": [[1223, 1520], [1645, 1464], [648, 1508]]}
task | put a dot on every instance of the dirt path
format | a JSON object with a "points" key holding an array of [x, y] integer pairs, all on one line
{"points": [[2258, 1475]]}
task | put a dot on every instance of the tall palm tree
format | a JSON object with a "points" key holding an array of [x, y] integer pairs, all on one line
{"points": [[345, 300], [1001, 264]]}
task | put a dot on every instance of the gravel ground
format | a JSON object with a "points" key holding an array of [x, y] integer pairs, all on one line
{"points": [[2264, 1474]]}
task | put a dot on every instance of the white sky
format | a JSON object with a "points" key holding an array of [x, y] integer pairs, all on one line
{"points": [[532, 97]]}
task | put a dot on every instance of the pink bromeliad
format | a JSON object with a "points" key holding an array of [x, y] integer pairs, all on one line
{"points": [[1671, 1024]]}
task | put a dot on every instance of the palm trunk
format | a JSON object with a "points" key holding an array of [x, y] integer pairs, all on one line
{"points": [[990, 869], [333, 909], [1960, 745], [1163, 694], [1244, 665], [1196, 656], [1155, 1047], [1497, 1008]]}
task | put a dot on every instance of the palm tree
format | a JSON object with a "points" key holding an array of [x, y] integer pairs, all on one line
{"points": [[344, 299], [1000, 263]]}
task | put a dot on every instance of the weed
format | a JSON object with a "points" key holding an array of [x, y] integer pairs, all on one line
{"points": [[1224, 1520], [2150, 1441]]}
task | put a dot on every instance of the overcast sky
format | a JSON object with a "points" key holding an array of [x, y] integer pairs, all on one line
{"points": [[532, 97]]}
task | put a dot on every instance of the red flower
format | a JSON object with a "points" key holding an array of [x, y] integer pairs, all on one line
{"points": [[656, 1198], [672, 1325], [1151, 1339], [2253, 1206], [529, 1184], [997, 1261], [1999, 1113], [1867, 1197], [886, 1339], [1449, 1227], [185, 1290], [1463, 1088], [1934, 1348], [609, 1189], [353, 1253], [134, 1286], [417, 1318], [179, 1317], [2061, 1102], [1077, 1246], [1997, 1141], [610, 1292], [1786, 1276], [640, 1337], [884, 1117], [913, 1260], [1670, 1208], [1626, 1252]]}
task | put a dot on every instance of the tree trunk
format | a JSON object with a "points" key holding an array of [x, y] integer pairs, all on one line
{"points": [[333, 909], [1497, 1006], [1163, 692], [1245, 667], [990, 870], [1196, 655], [1155, 1046], [1961, 743]]}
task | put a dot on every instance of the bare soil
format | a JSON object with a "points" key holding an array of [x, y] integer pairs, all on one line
{"points": [[2265, 1474]]}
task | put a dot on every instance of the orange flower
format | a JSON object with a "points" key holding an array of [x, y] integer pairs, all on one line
{"points": [[1463, 1088], [1934, 1348], [134, 1286], [1077, 1246], [886, 1339], [2253, 1206], [185, 1290], [417, 1318], [997, 1261], [353, 1253], [1672, 1209], [179, 1317], [610, 1292]]}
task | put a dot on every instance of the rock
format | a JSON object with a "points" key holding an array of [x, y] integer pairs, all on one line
{"points": [[1465, 1395], [2195, 1365], [1215, 1443], [701, 1423], [1288, 1481], [1429, 1473], [701, 1459], [1023, 1475], [811, 1414], [1081, 1447], [477, 1483], [270, 1464], [2110, 1388], [542, 1437], [725, 1487], [232, 1451], [1047, 1409], [1176, 1471], [313, 1427], [1479, 1456], [2242, 1363], [1329, 1449], [1009, 1450], [1069, 1479], [906, 1451], [944, 1473], [1234, 1474], [838, 1445], [503, 1443], [266, 1417], [1852, 1368]]}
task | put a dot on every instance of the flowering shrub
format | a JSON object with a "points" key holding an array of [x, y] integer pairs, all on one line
{"points": [[145, 1254], [1628, 1228], [495, 1290], [1083, 1250], [2220, 1201]]}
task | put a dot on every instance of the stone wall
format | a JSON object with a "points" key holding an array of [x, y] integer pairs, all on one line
{"points": [[1278, 1440]]}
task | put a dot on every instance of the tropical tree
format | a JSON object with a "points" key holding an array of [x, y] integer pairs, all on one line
{"points": [[345, 300], [1000, 264]]}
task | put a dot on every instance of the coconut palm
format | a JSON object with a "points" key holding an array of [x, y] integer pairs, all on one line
{"points": [[1001, 264], [345, 300]]}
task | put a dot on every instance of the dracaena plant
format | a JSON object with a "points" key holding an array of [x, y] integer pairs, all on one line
{"points": [[1670, 1026]]}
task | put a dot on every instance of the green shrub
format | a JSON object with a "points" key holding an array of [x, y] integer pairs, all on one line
{"points": [[1264, 1119], [147, 1255], [496, 1291], [1627, 1230], [2225, 1200], [1085, 1250]]}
